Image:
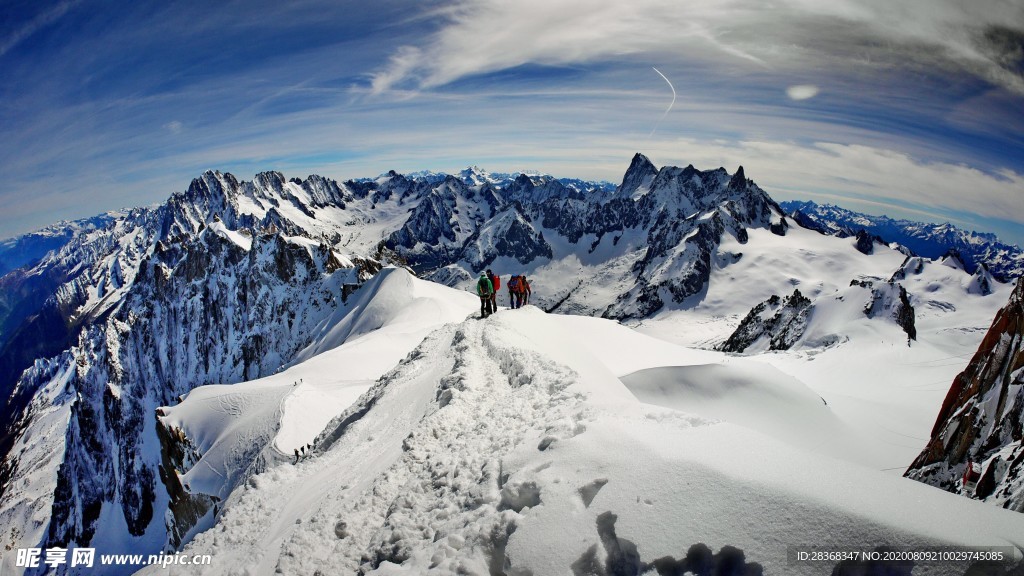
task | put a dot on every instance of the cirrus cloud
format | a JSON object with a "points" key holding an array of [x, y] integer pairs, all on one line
{"points": [[482, 36]]}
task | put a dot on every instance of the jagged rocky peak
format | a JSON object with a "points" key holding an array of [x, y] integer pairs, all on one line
{"points": [[213, 190], [475, 176], [738, 180], [509, 234], [324, 191], [638, 176], [912, 266], [270, 180], [977, 443], [775, 324]]}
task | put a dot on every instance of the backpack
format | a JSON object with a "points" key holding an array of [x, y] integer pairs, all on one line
{"points": [[513, 284], [495, 282], [483, 286]]}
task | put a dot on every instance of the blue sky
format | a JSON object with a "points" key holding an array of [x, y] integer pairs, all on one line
{"points": [[912, 108]]}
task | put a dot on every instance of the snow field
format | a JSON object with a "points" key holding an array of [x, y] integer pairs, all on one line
{"points": [[886, 392]]}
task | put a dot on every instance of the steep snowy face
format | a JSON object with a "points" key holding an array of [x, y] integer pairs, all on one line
{"points": [[637, 180], [977, 444], [209, 310], [509, 234], [222, 283], [223, 435], [1005, 261], [225, 282], [442, 223], [43, 308]]}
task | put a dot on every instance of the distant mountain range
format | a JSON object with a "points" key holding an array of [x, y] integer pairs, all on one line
{"points": [[28, 249], [1004, 261]]}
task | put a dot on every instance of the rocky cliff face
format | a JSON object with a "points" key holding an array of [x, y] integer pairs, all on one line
{"points": [[980, 420], [781, 323], [653, 236], [775, 324], [193, 292], [891, 301]]}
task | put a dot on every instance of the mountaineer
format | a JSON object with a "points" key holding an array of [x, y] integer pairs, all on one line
{"points": [[484, 289], [495, 286]]}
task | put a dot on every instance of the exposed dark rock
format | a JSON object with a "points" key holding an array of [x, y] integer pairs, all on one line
{"points": [[781, 321], [912, 265], [779, 228], [866, 242], [981, 418], [639, 175], [891, 300]]}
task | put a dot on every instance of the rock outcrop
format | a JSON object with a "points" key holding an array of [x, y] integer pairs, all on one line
{"points": [[980, 420], [775, 324]]}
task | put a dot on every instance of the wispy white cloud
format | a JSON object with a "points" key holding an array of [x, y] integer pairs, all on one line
{"points": [[482, 36], [446, 86], [26, 30]]}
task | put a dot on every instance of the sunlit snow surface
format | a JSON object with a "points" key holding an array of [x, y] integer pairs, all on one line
{"points": [[498, 444]]}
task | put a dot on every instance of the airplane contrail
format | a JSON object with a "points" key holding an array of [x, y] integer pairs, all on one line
{"points": [[670, 105]]}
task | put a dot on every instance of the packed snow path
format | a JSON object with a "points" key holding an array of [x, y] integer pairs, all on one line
{"points": [[501, 446], [429, 464]]}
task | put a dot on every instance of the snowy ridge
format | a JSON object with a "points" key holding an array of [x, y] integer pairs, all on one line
{"points": [[28, 249], [232, 432]]}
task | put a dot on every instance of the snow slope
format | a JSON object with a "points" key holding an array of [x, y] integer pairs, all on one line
{"points": [[753, 395], [510, 445], [876, 382], [240, 429]]}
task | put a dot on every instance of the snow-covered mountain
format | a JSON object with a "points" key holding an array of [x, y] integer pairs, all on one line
{"points": [[1004, 261], [259, 282], [981, 418]]}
